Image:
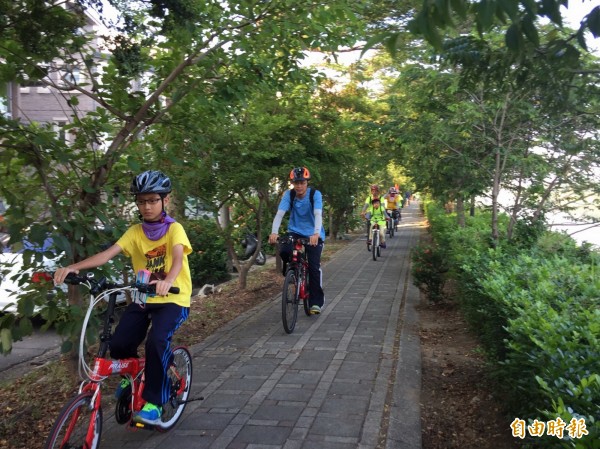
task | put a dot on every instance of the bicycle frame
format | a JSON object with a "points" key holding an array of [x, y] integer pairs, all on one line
{"points": [[80, 421], [374, 246], [299, 263], [295, 285]]}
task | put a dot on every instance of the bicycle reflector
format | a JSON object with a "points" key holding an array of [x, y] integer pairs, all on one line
{"points": [[41, 277]]}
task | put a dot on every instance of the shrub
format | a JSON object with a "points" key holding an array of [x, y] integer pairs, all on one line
{"points": [[535, 306], [428, 270], [208, 261]]}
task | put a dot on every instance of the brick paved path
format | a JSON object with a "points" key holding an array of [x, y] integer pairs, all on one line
{"points": [[349, 378]]}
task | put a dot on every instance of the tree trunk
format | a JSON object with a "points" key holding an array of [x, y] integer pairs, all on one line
{"points": [[472, 206], [495, 193], [332, 231], [460, 211]]}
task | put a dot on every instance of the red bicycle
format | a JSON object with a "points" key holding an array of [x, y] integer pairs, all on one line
{"points": [[79, 424], [295, 285]]}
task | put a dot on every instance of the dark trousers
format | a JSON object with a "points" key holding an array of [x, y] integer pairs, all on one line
{"points": [[130, 333], [315, 274]]}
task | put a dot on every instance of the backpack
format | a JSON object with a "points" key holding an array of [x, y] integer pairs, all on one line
{"points": [[311, 196]]}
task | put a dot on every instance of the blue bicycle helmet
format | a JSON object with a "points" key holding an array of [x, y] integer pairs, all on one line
{"points": [[151, 181]]}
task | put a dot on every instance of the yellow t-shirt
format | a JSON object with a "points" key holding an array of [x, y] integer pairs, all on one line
{"points": [[392, 202], [156, 256]]}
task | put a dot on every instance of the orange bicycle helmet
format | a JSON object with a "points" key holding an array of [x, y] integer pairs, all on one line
{"points": [[299, 174]]}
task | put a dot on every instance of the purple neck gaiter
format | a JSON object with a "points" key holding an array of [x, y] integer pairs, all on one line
{"points": [[154, 230]]}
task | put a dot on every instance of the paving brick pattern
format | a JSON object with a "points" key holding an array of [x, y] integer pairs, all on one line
{"points": [[346, 379]]}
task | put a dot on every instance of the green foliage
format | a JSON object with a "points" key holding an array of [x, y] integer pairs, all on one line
{"points": [[208, 261], [33, 32], [204, 101], [429, 268], [520, 16], [536, 310]]}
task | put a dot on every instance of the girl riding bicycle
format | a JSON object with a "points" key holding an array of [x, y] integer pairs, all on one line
{"points": [[160, 245]]}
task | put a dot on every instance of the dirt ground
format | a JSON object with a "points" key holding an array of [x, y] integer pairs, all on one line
{"points": [[458, 409]]}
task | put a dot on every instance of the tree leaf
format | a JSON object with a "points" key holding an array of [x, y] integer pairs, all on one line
{"points": [[581, 39], [485, 13], [593, 21], [6, 340], [530, 30], [513, 37], [460, 7]]}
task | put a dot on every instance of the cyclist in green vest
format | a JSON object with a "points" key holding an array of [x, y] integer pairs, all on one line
{"points": [[365, 209], [380, 216]]}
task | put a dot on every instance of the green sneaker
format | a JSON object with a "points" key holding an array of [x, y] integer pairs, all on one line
{"points": [[315, 310], [150, 414], [124, 385]]}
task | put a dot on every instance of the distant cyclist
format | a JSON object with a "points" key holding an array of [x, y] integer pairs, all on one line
{"points": [[378, 215], [160, 245], [368, 202], [393, 203], [306, 221]]}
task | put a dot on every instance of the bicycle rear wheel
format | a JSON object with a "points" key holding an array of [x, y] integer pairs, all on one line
{"points": [[289, 301], [180, 380], [77, 425]]}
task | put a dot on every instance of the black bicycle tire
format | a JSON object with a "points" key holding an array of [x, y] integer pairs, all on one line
{"points": [[375, 244], [81, 401], [287, 303]]}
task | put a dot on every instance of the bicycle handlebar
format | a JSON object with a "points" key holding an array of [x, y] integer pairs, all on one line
{"points": [[102, 284], [292, 239]]}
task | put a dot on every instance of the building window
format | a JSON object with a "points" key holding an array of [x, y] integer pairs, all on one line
{"points": [[5, 99], [71, 76], [59, 129], [42, 71]]}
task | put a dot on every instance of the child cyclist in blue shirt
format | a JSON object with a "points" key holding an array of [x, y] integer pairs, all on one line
{"points": [[306, 221]]}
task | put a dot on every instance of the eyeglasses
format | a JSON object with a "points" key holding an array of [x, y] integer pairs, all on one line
{"points": [[151, 202]]}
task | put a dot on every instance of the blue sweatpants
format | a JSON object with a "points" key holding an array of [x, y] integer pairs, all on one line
{"points": [[130, 333]]}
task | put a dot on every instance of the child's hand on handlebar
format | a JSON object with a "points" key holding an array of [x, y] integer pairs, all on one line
{"points": [[62, 273], [162, 287], [273, 238]]}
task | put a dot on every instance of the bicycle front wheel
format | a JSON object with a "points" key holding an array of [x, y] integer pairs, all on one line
{"points": [[375, 245], [180, 380], [77, 425], [289, 301]]}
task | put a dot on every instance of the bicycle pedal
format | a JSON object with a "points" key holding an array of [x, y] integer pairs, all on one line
{"points": [[142, 426]]}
